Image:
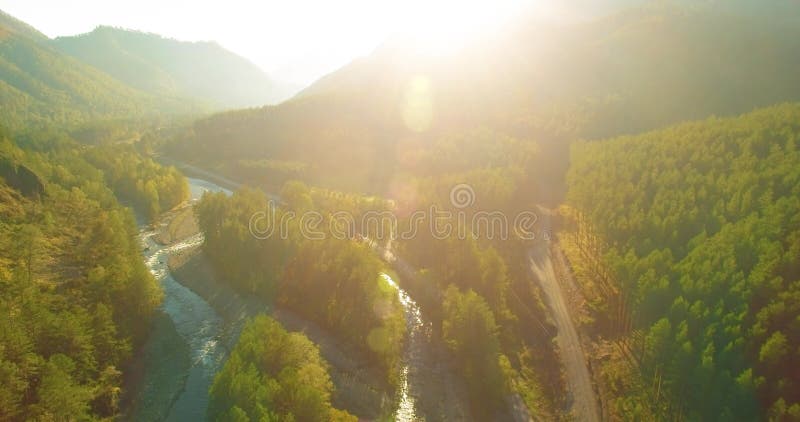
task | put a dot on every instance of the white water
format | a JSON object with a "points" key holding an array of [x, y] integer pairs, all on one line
{"points": [[405, 409], [195, 322]]}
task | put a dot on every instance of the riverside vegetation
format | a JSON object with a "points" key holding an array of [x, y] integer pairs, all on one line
{"points": [[684, 237], [76, 298]]}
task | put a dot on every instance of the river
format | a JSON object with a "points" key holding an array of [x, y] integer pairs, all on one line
{"points": [[190, 340], [184, 350]]}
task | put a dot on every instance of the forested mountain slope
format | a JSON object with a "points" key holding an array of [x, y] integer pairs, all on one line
{"points": [[162, 66], [41, 86], [75, 296], [12, 24], [694, 234], [635, 70]]}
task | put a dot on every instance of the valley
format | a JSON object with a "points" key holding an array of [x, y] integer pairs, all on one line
{"points": [[208, 317], [572, 212]]}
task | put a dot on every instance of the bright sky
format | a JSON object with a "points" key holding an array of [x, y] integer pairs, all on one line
{"points": [[295, 41]]}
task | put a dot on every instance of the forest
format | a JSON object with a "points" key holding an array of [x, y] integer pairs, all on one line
{"points": [[273, 375], [477, 286], [146, 185], [656, 147], [691, 237], [76, 297], [478, 291], [343, 274]]}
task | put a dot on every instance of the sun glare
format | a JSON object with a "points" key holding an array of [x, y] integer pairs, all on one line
{"points": [[443, 26]]}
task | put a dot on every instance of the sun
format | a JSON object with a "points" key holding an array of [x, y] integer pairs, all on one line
{"points": [[442, 26]]}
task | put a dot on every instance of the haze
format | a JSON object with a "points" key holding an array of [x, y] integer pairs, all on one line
{"points": [[295, 42], [510, 211]]}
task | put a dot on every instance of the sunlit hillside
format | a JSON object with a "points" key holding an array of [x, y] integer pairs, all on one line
{"points": [[40, 85], [636, 70]]}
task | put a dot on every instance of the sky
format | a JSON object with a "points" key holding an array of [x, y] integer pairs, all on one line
{"points": [[294, 41]]}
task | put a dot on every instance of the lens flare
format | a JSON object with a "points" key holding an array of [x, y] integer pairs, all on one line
{"points": [[417, 107]]}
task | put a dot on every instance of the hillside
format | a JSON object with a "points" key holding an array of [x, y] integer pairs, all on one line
{"points": [[162, 66], [690, 241], [635, 70], [41, 85], [76, 300], [590, 213], [16, 26]]}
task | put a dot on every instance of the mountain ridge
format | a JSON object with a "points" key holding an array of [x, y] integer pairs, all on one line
{"points": [[113, 74], [639, 69], [15, 25], [157, 64]]}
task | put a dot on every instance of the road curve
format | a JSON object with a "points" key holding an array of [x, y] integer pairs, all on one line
{"points": [[582, 403]]}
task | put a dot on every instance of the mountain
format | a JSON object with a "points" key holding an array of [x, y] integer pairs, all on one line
{"points": [[631, 71], [639, 69], [117, 74], [162, 66], [11, 24], [39, 84]]}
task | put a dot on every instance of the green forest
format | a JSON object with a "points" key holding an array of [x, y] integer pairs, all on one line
{"points": [[693, 233], [475, 284], [355, 252], [273, 375], [344, 275], [477, 290], [76, 297], [138, 180]]}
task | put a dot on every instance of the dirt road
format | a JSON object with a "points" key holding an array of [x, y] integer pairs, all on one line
{"points": [[582, 400]]}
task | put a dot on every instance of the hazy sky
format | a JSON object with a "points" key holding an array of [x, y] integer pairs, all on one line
{"points": [[295, 41]]}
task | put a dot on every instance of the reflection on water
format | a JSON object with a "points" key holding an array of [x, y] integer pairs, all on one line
{"points": [[197, 187], [195, 323], [428, 390], [405, 407]]}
